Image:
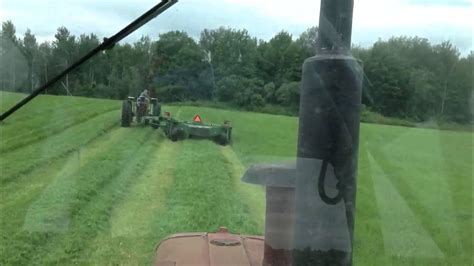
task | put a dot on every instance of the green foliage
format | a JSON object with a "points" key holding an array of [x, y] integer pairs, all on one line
{"points": [[368, 116], [241, 91], [230, 52], [410, 78], [179, 61], [13, 72], [171, 93], [422, 104], [228, 87], [252, 94], [269, 91], [281, 59], [289, 94], [458, 92]]}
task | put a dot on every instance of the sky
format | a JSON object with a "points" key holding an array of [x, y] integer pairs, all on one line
{"points": [[436, 20]]}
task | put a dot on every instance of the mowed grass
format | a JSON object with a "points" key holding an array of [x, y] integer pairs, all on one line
{"points": [[78, 189]]}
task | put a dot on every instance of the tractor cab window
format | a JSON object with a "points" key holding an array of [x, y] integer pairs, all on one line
{"points": [[236, 132]]}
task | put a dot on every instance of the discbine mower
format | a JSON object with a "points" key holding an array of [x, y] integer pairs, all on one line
{"points": [[148, 112]]}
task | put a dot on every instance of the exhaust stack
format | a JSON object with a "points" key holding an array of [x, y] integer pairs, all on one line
{"points": [[328, 141], [311, 205]]}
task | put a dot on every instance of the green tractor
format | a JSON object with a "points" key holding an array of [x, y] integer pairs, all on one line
{"points": [[148, 112], [143, 109]]}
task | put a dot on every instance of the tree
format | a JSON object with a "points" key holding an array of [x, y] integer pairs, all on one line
{"points": [[269, 93], [389, 74], [30, 50], [94, 71], [171, 93], [180, 61], [289, 94], [250, 95], [231, 52], [459, 93], [308, 41], [228, 87], [448, 57], [406, 77], [422, 105], [281, 59], [43, 63], [64, 53], [13, 64]]}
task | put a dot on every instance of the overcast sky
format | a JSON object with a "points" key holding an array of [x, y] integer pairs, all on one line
{"points": [[436, 20]]}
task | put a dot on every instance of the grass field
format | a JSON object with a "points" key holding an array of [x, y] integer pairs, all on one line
{"points": [[75, 188]]}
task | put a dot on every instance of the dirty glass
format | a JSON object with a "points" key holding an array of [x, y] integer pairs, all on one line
{"points": [[220, 137]]}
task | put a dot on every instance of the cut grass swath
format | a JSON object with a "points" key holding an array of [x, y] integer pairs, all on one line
{"points": [[76, 206]]}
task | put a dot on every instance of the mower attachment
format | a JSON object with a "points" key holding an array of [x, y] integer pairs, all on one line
{"points": [[148, 112]]}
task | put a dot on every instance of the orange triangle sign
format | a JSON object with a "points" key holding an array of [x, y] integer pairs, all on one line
{"points": [[197, 118]]}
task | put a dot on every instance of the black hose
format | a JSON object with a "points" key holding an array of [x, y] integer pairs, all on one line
{"points": [[322, 192]]}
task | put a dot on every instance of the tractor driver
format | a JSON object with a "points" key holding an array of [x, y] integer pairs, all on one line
{"points": [[145, 94], [144, 97]]}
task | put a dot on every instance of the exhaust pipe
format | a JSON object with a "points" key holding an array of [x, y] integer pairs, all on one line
{"points": [[311, 205], [328, 143]]}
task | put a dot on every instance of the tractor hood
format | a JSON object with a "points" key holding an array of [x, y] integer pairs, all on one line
{"points": [[206, 249]]}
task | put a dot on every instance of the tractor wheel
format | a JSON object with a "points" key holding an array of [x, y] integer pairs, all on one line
{"points": [[177, 134], [156, 111], [222, 140], [229, 134], [141, 112], [155, 123], [127, 114], [174, 137]]}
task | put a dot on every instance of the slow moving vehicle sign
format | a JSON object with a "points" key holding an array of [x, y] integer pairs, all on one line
{"points": [[197, 119]]}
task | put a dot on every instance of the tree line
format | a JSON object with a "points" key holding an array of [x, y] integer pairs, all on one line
{"points": [[405, 77]]}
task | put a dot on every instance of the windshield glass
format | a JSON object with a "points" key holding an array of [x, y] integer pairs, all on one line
{"points": [[238, 114]]}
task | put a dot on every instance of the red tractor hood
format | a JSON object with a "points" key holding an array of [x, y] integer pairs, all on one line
{"points": [[206, 249]]}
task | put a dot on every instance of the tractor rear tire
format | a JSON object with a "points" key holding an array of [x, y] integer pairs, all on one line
{"points": [[127, 114], [174, 137], [229, 134], [222, 140], [156, 111]]}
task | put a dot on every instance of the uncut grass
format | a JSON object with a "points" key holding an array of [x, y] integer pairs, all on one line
{"points": [[256, 137], [204, 195], [59, 225], [432, 171], [7, 99]]}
